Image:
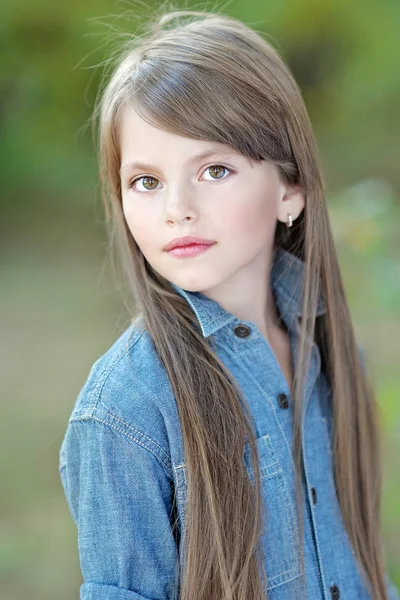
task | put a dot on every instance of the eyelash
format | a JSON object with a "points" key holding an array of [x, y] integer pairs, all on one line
{"points": [[131, 183]]}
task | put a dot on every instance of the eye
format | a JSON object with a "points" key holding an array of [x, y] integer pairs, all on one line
{"points": [[146, 178], [217, 170]]}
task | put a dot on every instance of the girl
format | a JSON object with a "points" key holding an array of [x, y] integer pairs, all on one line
{"points": [[226, 447]]}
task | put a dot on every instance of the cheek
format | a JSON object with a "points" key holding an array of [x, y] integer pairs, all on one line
{"points": [[254, 217], [140, 227]]}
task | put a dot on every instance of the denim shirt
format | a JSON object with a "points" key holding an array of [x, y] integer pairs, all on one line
{"points": [[122, 463]]}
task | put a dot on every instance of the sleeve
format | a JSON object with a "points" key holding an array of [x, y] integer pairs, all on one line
{"points": [[392, 592], [119, 496]]}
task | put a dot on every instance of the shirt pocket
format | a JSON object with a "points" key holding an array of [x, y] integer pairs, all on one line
{"points": [[279, 539]]}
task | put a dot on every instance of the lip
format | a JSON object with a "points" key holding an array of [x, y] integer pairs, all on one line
{"points": [[187, 241], [188, 251]]}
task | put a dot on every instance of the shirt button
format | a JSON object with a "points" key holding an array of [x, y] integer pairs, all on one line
{"points": [[335, 594], [283, 401], [242, 331], [314, 495]]}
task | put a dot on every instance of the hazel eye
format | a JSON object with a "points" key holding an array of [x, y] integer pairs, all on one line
{"points": [[217, 170], [145, 178]]}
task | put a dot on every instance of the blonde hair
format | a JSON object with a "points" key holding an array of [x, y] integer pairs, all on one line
{"points": [[212, 77]]}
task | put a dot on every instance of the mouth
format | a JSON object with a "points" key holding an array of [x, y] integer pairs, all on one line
{"points": [[187, 240], [189, 250]]}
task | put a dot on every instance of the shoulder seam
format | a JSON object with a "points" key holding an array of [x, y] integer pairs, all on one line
{"points": [[128, 431], [95, 393]]}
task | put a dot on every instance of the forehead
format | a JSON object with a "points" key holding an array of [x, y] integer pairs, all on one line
{"points": [[141, 142]]}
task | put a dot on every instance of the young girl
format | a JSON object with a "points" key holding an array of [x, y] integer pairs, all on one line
{"points": [[226, 447]]}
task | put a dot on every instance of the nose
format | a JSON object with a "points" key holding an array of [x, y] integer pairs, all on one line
{"points": [[179, 205]]}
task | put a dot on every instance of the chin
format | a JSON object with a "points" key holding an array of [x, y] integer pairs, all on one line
{"points": [[195, 284]]}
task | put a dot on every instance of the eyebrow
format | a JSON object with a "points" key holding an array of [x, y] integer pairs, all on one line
{"points": [[198, 157]]}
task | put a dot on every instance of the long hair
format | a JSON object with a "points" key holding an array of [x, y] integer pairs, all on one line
{"points": [[211, 77]]}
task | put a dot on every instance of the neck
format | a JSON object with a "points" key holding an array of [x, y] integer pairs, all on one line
{"points": [[248, 295]]}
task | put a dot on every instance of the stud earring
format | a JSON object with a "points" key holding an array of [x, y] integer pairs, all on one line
{"points": [[289, 222]]}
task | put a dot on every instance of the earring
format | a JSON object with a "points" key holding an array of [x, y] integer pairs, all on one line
{"points": [[289, 222]]}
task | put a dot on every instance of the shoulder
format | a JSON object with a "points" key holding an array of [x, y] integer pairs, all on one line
{"points": [[128, 390]]}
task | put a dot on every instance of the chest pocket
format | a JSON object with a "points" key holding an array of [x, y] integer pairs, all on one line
{"points": [[279, 539]]}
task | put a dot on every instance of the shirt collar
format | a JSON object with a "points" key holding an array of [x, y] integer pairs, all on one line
{"points": [[287, 278]]}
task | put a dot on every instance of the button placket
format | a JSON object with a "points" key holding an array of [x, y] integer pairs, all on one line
{"points": [[244, 331]]}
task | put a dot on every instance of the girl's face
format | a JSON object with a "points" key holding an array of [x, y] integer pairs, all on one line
{"points": [[223, 197]]}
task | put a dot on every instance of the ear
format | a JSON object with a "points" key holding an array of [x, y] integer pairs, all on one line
{"points": [[291, 201]]}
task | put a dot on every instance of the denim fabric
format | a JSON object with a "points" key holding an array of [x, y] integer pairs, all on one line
{"points": [[122, 461]]}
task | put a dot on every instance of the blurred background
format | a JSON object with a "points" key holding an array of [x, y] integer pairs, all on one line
{"points": [[60, 306]]}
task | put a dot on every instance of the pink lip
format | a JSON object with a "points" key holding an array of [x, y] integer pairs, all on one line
{"points": [[191, 250], [188, 240]]}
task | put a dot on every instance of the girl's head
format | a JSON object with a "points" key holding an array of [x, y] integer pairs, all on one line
{"points": [[209, 82], [199, 82]]}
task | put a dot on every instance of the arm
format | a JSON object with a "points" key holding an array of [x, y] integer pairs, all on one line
{"points": [[120, 499], [392, 592]]}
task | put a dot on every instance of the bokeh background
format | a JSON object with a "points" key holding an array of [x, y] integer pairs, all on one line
{"points": [[60, 305]]}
